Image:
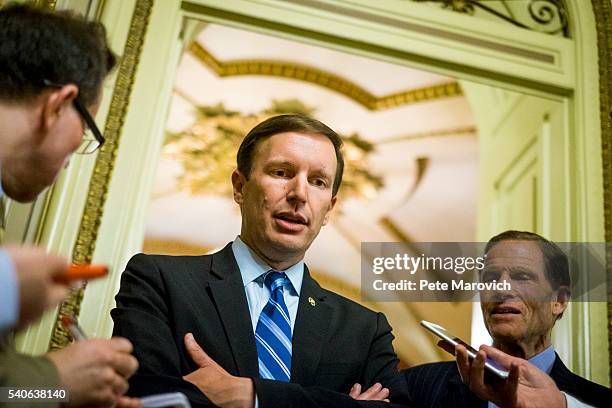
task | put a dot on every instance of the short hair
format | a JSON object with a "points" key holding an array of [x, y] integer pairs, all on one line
{"points": [[60, 47], [288, 123], [556, 264]]}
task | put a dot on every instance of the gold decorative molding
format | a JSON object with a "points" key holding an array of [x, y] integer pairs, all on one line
{"points": [[603, 22], [291, 70], [461, 131], [161, 246], [98, 187]]}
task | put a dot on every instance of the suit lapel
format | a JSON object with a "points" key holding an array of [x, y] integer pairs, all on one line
{"points": [[309, 333], [230, 300], [562, 376]]}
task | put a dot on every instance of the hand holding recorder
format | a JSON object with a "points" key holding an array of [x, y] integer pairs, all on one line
{"points": [[526, 385]]}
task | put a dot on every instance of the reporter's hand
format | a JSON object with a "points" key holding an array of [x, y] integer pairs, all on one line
{"points": [[526, 386], [374, 393], [38, 291], [95, 372]]}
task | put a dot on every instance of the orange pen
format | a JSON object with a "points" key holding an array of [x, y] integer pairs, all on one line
{"points": [[82, 272]]}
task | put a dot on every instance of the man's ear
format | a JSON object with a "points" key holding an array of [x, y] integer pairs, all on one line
{"points": [[238, 182], [56, 102], [560, 304], [331, 207]]}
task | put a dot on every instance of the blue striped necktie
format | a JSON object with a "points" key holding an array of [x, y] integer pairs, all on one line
{"points": [[273, 332]]}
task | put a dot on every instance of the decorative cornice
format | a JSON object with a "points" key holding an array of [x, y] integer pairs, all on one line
{"points": [[291, 70], [460, 131], [603, 24], [98, 187]]}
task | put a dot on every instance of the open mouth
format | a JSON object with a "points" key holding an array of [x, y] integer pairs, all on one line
{"points": [[291, 221], [505, 310]]}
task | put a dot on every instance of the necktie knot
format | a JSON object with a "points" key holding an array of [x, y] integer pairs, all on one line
{"points": [[274, 280]]}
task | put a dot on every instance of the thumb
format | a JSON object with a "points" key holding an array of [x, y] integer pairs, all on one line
{"points": [[195, 351]]}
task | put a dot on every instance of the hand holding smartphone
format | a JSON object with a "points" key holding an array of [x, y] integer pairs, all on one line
{"points": [[453, 341]]}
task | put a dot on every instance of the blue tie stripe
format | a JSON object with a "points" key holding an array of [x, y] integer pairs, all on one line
{"points": [[278, 363], [263, 370], [281, 309], [280, 335], [273, 332]]}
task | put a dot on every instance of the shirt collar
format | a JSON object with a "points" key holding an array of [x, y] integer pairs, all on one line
{"points": [[252, 267], [544, 360]]}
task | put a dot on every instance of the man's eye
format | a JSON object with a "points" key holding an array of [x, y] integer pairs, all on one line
{"points": [[319, 182], [490, 277], [280, 172], [521, 276]]}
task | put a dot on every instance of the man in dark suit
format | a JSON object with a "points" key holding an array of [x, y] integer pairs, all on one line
{"points": [[520, 322], [274, 336]]}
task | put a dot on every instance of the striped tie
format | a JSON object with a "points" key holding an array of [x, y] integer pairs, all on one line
{"points": [[273, 332]]}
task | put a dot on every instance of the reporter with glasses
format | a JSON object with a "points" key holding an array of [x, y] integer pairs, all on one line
{"points": [[52, 66]]}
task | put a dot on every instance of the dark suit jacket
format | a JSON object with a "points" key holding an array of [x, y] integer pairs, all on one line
{"points": [[336, 342], [439, 385]]}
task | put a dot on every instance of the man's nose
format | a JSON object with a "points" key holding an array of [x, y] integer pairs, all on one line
{"points": [[297, 189]]}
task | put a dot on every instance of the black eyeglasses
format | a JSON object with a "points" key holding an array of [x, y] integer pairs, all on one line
{"points": [[92, 137]]}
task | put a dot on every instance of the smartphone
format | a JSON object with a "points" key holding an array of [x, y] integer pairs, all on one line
{"points": [[453, 340], [82, 272]]}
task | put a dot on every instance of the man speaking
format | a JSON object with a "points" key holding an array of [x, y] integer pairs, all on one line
{"points": [[274, 336]]}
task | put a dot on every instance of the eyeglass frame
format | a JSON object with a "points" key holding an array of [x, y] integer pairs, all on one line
{"points": [[85, 115]]}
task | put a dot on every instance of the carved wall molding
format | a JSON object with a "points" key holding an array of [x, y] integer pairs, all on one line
{"points": [[603, 21], [316, 76], [98, 187]]}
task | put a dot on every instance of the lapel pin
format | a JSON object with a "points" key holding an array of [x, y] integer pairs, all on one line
{"points": [[311, 301]]}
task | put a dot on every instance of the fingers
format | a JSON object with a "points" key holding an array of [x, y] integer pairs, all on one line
{"points": [[355, 391], [383, 395], [499, 356], [125, 365], [120, 385], [463, 363], [375, 393], [195, 351], [512, 382], [56, 294], [121, 345], [127, 402], [477, 370]]}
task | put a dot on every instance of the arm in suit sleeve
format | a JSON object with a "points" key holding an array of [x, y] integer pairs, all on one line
{"points": [[381, 363], [142, 317], [281, 394], [380, 366]]}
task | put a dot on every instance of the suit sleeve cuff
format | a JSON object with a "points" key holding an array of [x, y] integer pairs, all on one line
{"points": [[9, 292], [270, 392]]}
